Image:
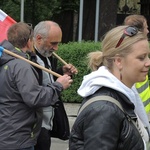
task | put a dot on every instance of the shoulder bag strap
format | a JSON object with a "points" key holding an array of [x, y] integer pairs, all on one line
{"points": [[109, 99], [100, 98]]}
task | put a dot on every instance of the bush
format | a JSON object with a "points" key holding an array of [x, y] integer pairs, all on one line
{"points": [[75, 53]]}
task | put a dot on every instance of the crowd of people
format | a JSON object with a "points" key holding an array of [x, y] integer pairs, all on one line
{"points": [[119, 71]]}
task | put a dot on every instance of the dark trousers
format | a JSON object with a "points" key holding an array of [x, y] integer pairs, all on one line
{"points": [[44, 140]]}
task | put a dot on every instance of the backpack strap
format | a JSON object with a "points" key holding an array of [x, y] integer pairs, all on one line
{"points": [[109, 99], [100, 98]]}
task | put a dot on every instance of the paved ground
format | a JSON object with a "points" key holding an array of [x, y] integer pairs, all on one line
{"points": [[59, 144], [71, 110]]}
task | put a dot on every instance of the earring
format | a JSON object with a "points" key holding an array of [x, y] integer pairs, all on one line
{"points": [[120, 75]]}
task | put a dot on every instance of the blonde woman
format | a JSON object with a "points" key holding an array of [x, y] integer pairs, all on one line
{"points": [[102, 125], [142, 87]]}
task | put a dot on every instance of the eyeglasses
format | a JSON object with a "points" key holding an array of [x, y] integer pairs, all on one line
{"points": [[29, 24], [129, 31]]}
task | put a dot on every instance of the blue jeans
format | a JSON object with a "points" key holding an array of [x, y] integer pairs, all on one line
{"points": [[29, 148]]}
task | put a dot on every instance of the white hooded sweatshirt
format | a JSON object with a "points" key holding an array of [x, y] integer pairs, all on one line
{"points": [[102, 77]]}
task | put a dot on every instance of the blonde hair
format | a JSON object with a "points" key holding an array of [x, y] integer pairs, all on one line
{"points": [[94, 60], [109, 50]]}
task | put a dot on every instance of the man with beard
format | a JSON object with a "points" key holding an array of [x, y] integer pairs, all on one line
{"points": [[21, 95], [47, 36]]}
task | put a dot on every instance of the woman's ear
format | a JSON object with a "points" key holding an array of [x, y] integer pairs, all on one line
{"points": [[118, 61]]}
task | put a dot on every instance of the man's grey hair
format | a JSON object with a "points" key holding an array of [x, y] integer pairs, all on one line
{"points": [[43, 28]]}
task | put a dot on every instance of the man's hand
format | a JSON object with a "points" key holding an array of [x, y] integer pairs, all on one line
{"points": [[65, 81], [69, 69]]}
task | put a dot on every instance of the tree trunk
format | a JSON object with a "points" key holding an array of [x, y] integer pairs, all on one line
{"points": [[108, 16]]}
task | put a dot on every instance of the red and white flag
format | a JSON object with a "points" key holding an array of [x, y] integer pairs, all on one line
{"points": [[5, 22]]}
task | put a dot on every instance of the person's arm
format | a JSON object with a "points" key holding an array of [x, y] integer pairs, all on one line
{"points": [[30, 91]]}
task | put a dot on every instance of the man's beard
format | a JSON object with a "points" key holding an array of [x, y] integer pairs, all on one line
{"points": [[45, 53]]}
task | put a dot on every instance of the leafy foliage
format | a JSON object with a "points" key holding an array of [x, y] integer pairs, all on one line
{"points": [[11, 8], [37, 10], [76, 53]]}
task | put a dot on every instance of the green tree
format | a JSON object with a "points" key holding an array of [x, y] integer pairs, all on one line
{"points": [[66, 13], [38, 10]]}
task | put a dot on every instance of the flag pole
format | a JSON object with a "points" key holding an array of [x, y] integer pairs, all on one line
{"points": [[22, 11], [59, 58], [30, 62]]}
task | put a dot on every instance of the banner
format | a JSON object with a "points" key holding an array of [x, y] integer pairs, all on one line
{"points": [[5, 22]]}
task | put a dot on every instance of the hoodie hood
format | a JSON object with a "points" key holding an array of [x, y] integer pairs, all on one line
{"points": [[5, 57], [102, 77]]}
